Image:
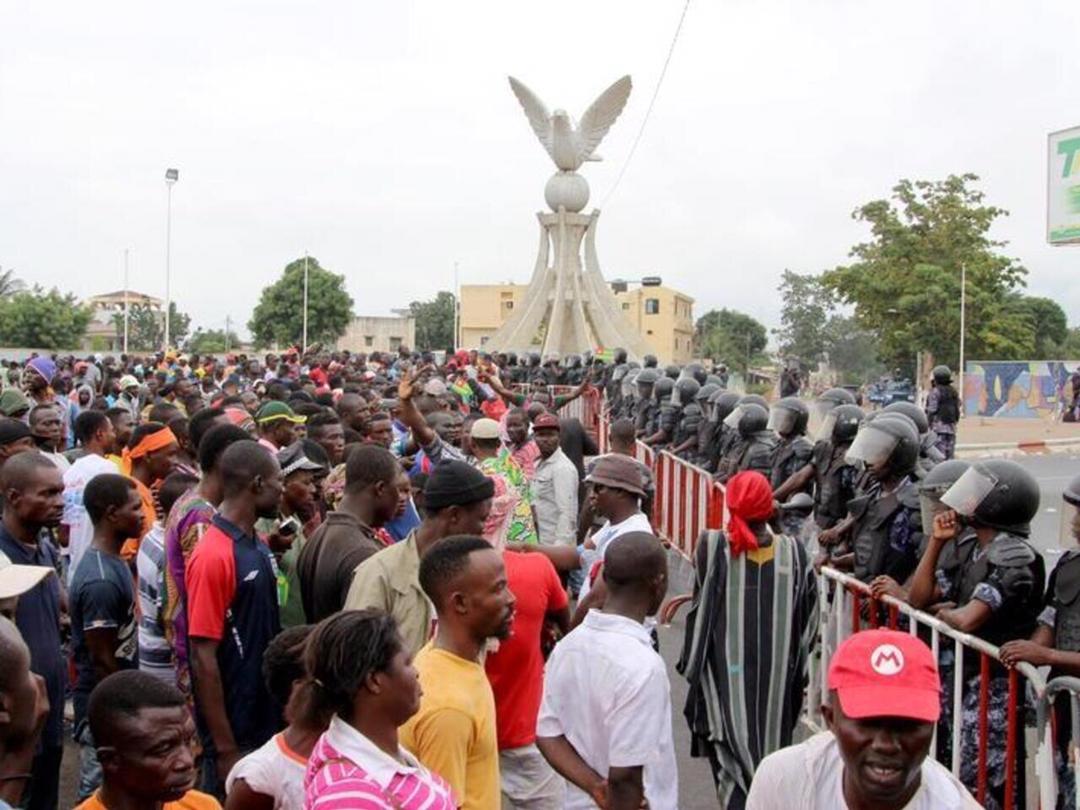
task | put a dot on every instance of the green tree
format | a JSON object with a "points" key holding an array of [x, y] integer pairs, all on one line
{"points": [[731, 337], [904, 283], [39, 319], [279, 316], [9, 284], [146, 327], [1049, 326], [851, 351], [1070, 347], [212, 341], [806, 305], [434, 322]]}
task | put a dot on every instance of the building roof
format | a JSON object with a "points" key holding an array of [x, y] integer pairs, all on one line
{"points": [[117, 297]]}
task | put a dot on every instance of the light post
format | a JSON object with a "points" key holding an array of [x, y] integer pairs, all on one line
{"points": [[126, 308], [303, 341], [171, 176], [963, 321], [457, 309]]}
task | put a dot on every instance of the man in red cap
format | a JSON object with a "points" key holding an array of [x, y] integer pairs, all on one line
{"points": [[884, 699]]}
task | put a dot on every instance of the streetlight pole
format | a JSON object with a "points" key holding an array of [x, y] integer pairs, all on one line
{"points": [[963, 322], [171, 176], [126, 308], [303, 342], [457, 308]]}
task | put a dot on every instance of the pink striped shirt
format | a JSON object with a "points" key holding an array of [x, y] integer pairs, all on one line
{"points": [[347, 771]]}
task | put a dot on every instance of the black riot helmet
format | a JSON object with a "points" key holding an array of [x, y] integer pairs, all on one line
{"points": [[672, 371], [887, 439], [723, 402], [845, 423], [647, 376], [1070, 514], [686, 388], [619, 356], [753, 418], [697, 371], [706, 391], [714, 380], [633, 364], [912, 412], [512, 359], [573, 360], [936, 483], [534, 359], [789, 416], [942, 375], [756, 399], [996, 493], [837, 396], [650, 361], [662, 389]]}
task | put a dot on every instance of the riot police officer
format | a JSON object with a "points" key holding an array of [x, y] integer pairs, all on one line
{"points": [[997, 596], [618, 358], [673, 371], [684, 441], [832, 475], [721, 404], [696, 371], [788, 419], [614, 387], [649, 361], [754, 445], [705, 425], [722, 373], [575, 374], [943, 410], [662, 390], [644, 404], [682, 392], [929, 454], [628, 401]]}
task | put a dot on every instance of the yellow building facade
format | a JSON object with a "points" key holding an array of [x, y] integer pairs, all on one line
{"points": [[663, 316]]}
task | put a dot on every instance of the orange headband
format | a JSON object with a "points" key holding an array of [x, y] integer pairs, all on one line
{"points": [[148, 444]]}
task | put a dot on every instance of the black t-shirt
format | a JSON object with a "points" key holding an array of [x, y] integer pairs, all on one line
{"points": [[327, 561]]}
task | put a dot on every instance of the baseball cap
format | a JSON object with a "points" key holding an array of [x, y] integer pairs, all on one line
{"points": [[546, 421], [618, 472], [277, 410], [18, 579], [128, 381], [485, 429], [886, 673]]}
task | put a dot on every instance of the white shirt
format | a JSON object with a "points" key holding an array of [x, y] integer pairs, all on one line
{"points": [[273, 770], [603, 536], [76, 518], [554, 493], [607, 691], [813, 772]]}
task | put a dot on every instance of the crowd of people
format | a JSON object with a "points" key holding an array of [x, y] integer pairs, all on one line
{"points": [[329, 580]]}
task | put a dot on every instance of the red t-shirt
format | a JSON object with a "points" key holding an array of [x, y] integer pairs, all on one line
{"points": [[516, 669]]}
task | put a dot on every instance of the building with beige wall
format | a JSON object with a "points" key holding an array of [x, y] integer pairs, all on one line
{"points": [[378, 333], [663, 316]]}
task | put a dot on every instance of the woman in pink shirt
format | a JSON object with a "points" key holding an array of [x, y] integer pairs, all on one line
{"points": [[362, 671]]}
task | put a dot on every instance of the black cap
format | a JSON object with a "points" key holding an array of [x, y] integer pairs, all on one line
{"points": [[11, 430], [455, 483]]}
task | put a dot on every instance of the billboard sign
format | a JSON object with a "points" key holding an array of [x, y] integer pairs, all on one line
{"points": [[1063, 188]]}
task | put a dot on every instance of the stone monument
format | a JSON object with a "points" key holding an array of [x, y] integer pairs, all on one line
{"points": [[568, 309]]}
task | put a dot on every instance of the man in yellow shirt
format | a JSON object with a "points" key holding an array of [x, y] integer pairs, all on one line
{"points": [[143, 732], [453, 734]]}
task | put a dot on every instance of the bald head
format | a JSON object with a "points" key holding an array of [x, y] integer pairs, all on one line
{"points": [[635, 562], [21, 469], [242, 462], [14, 655]]}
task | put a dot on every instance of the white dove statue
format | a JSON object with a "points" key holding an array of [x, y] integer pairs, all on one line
{"points": [[570, 145]]}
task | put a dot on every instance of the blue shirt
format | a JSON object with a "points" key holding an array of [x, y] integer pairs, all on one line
{"points": [[38, 619], [102, 598]]}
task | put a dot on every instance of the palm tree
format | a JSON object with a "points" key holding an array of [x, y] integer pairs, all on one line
{"points": [[9, 285]]}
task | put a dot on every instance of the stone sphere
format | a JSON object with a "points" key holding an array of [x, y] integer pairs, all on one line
{"points": [[567, 189]]}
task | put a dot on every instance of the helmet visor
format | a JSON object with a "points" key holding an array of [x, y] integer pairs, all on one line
{"points": [[871, 447], [969, 491], [1070, 525], [627, 386], [819, 413], [930, 505], [782, 420], [732, 419]]}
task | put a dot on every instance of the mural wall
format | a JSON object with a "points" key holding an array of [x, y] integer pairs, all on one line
{"points": [[1034, 390]]}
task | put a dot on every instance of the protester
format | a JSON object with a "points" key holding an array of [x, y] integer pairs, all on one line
{"points": [[511, 518], [14, 438], [33, 494], [277, 423], [155, 653], [148, 459], [97, 436], [143, 733], [454, 732], [884, 693], [554, 486], [363, 673], [523, 449], [348, 536], [123, 427], [745, 657], [272, 777], [327, 430], [25, 705], [47, 431], [232, 611], [457, 501], [102, 606]]}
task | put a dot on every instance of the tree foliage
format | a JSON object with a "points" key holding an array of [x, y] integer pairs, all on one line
{"points": [[731, 337], [212, 341], [39, 319], [279, 316], [1048, 324], [9, 284], [146, 327], [904, 283], [434, 322]]}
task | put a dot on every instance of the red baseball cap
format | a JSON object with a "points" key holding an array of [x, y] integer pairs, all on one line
{"points": [[546, 421], [886, 673]]}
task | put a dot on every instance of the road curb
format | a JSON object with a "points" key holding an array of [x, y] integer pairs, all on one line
{"points": [[1029, 447]]}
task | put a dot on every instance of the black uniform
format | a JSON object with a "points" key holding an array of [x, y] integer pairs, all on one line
{"points": [[834, 483], [752, 452], [689, 422], [791, 455], [887, 533]]}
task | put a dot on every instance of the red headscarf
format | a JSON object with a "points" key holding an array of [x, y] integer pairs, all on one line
{"points": [[749, 498]]}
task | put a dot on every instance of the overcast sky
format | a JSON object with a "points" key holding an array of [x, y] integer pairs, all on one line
{"points": [[383, 138]]}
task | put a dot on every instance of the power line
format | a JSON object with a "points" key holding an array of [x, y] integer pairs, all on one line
{"points": [[652, 103]]}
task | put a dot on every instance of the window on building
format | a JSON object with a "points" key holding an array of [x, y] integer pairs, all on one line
{"points": [[508, 304], [626, 306], [395, 344], [369, 340], [652, 306], [676, 344], [484, 340]]}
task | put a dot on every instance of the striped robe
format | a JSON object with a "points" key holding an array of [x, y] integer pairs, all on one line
{"points": [[749, 633]]}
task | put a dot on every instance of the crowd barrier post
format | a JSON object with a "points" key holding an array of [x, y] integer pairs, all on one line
{"points": [[1045, 720]]}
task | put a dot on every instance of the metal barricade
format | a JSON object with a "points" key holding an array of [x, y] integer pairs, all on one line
{"points": [[1045, 728], [687, 502], [847, 606]]}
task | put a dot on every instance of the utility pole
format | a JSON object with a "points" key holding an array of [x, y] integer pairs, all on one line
{"points": [[171, 176], [126, 307], [963, 323], [228, 322], [457, 309], [303, 344]]}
